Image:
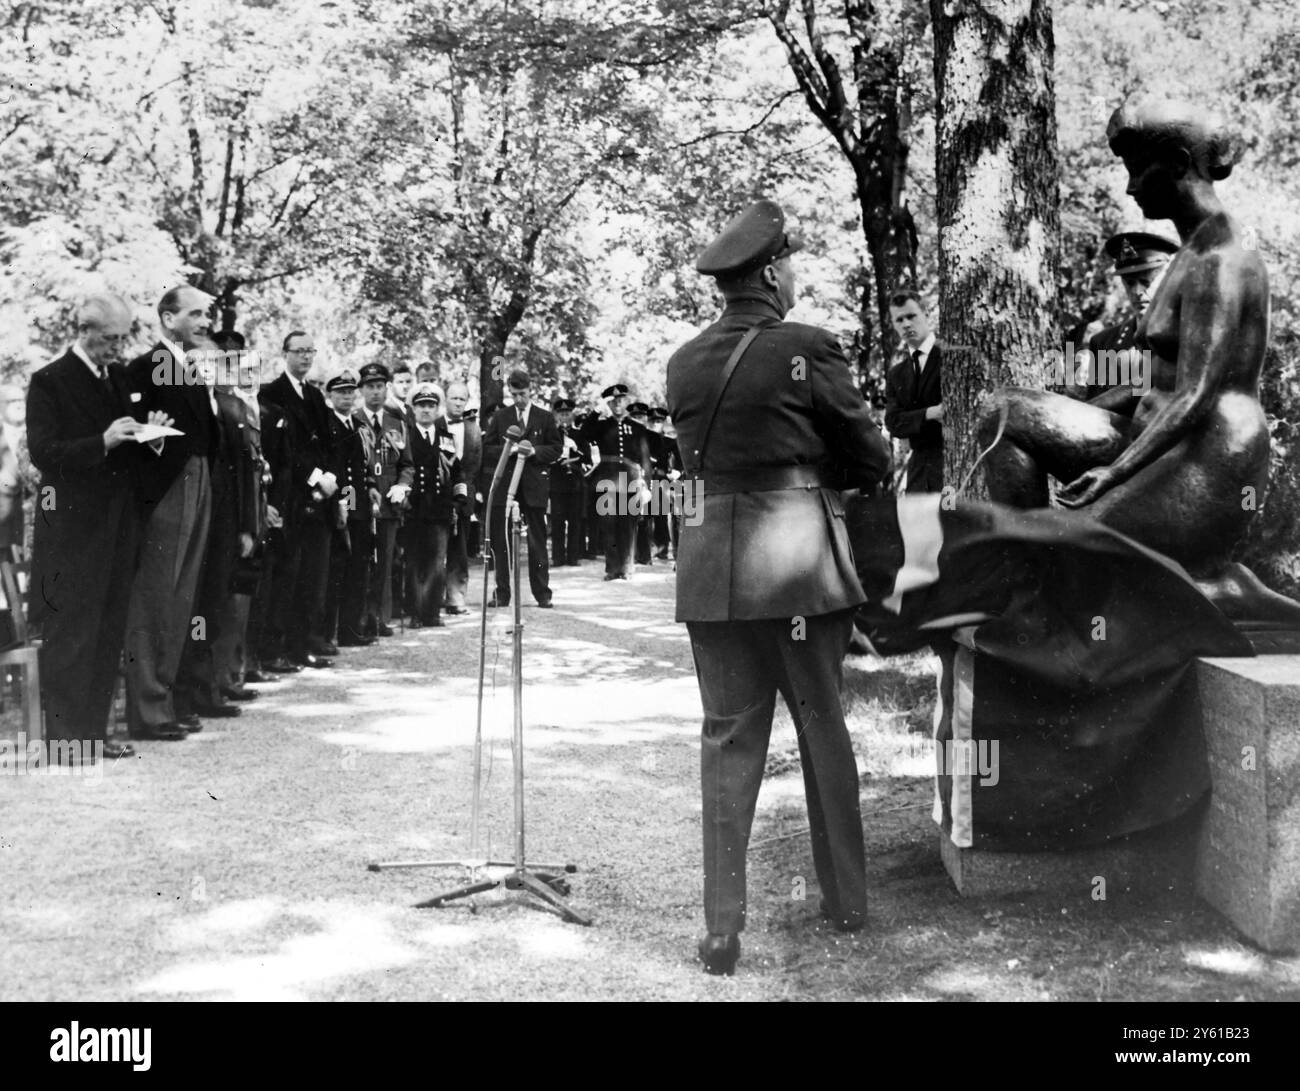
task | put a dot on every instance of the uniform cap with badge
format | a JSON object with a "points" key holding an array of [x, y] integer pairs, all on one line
{"points": [[344, 380], [1139, 252], [425, 394], [371, 373], [754, 238], [618, 390]]}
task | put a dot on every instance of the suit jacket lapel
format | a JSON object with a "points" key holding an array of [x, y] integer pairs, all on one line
{"points": [[102, 406]]}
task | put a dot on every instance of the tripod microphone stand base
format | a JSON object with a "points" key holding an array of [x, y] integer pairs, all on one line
{"points": [[540, 884]]}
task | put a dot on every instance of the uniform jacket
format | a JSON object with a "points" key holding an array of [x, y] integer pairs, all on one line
{"points": [[567, 475], [352, 467], [308, 442], [544, 434], [624, 447], [438, 478], [1115, 339], [774, 553], [159, 381], [277, 460], [388, 452], [907, 399], [242, 450]]}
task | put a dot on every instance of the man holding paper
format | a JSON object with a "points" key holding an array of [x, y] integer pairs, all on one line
{"points": [[80, 434]]}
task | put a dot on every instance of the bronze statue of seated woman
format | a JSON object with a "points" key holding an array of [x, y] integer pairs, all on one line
{"points": [[1188, 469]]}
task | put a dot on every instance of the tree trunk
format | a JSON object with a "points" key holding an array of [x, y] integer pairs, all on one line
{"points": [[998, 207]]}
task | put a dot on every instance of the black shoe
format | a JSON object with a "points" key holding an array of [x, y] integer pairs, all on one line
{"points": [[384, 630], [313, 661], [719, 953], [435, 623], [497, 600], [190, 722], [356, 642], [323, 648], [455, 610], [612, 576], [415, 623], [544, 605], [238, 693], [855, 925], [281, 665], [261, 678], [113, 750], [168, 732], [218, 712]]}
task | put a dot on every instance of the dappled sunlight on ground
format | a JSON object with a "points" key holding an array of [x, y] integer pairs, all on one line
{"points": [[345, 939]]}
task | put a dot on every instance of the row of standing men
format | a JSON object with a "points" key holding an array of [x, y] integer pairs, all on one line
{"points": [[222, 532]]}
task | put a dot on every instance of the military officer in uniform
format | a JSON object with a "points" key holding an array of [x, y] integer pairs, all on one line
{"points": [[438, 492], [1140, 258], [622, 470], [358, 503], [388, 440], [765, 578], [568, 493]]}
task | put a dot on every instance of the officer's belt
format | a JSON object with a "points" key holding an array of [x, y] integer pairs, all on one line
{"points": [[765, 479]]}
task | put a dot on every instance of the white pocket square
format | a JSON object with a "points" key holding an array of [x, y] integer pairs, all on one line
{"points": [[136, 396]]}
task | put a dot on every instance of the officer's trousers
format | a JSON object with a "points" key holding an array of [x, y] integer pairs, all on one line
{"points": [[741, 666]]}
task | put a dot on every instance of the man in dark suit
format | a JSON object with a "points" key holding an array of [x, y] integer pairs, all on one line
{"points": [[468, 435], [353, 541], [539, 447], [80, 434], [296, 629], [913, 399], [242, 419], [568, 495], [176, 497], [387, 437], [770, 426], [438, 494], [202, 681], [620, 479]]}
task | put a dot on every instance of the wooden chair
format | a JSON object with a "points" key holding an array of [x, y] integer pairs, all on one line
{"points": [[20, 650]]}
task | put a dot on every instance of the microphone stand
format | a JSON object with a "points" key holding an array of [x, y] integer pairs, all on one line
{"points": [[544, 885]]}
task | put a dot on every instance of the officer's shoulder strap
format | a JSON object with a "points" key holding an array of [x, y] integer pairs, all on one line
{"points": [[733, 361]]}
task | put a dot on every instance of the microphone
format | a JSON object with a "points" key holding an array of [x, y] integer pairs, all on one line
{"points": [[513, 435], [514, 481]]}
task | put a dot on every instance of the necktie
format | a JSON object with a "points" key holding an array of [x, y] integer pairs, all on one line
{"points": [[916, 361], [375, 423]]}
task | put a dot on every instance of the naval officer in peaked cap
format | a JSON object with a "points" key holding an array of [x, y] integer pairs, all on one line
{"points": [[771, 427]]}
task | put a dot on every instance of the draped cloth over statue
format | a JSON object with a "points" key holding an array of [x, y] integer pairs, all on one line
{"points": [[1065, 643]]}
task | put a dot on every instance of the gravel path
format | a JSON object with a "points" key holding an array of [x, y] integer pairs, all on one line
{"points": [[232, 865]]}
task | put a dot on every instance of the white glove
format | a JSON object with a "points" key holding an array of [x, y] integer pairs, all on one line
{"points": [[398, 493]]}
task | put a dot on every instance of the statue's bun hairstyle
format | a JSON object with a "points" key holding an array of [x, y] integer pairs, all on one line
{"points": [[1166, 124]]}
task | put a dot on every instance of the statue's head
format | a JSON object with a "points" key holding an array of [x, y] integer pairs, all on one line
{"points": [[1167, 145]]}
